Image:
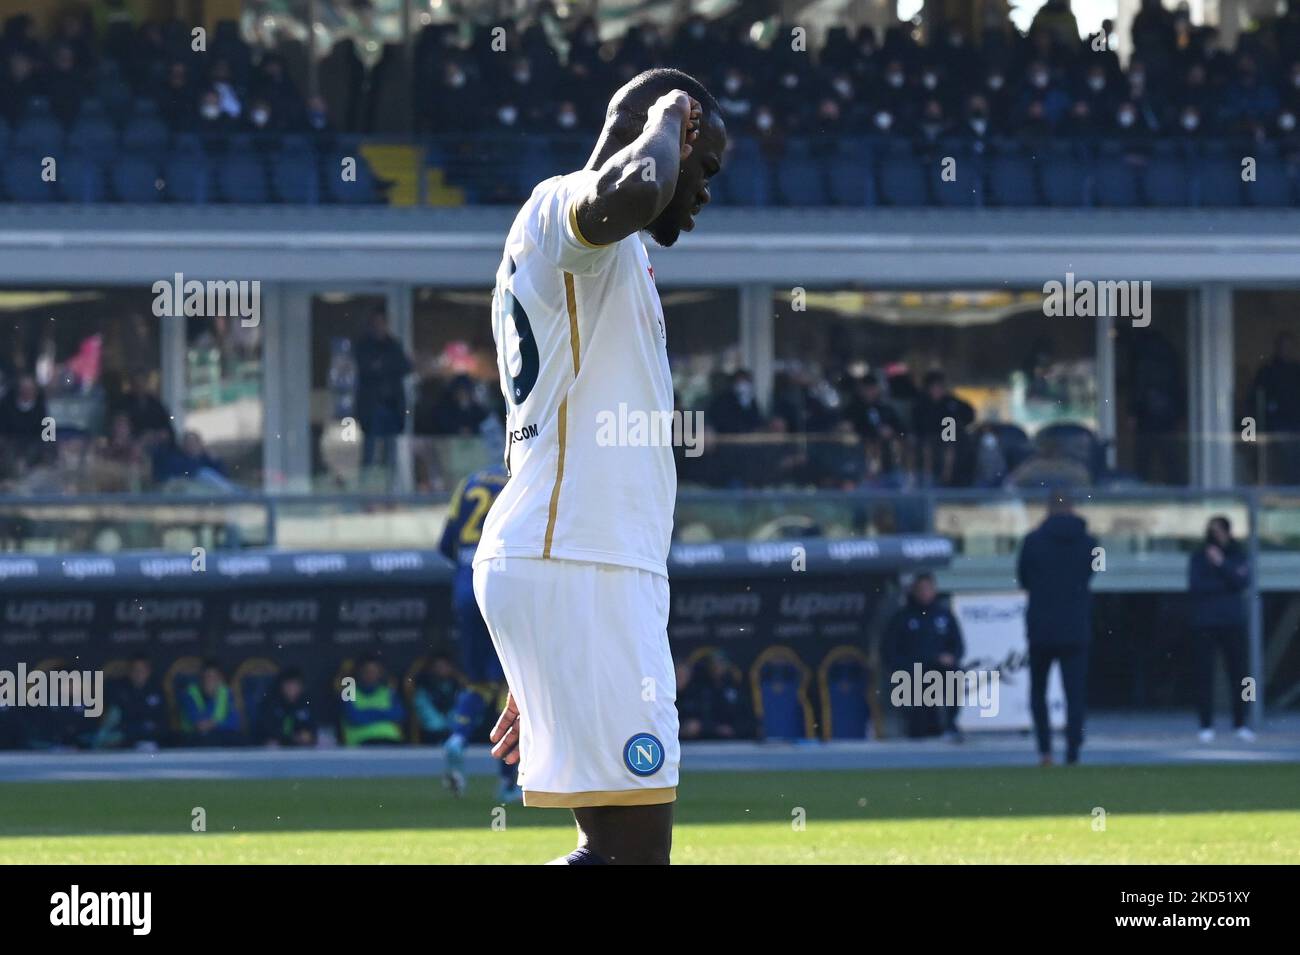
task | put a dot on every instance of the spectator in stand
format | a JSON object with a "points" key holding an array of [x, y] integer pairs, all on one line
{"points": [[382, 367], [372, 712], [712, 704], [23, 413], [150, 419], [1055, 567], [189, 461], [925, 633], [880, 427], [285, 717], [119, 459], [459, 411], [939, 423], [208, 713], [1274, 403], [735, 410], [137, 711], [1217, 576], [177, 99]]}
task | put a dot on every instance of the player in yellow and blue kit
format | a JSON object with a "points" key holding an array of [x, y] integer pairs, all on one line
{"points": [[485, 681]]}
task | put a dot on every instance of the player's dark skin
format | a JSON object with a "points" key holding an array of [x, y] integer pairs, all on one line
{"points": [[656, 156]]}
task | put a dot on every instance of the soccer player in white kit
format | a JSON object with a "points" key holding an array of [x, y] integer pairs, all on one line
{"points": [[571, 571]]}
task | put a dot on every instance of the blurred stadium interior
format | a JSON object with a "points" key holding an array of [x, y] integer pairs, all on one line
{"points": [[837, 270]]}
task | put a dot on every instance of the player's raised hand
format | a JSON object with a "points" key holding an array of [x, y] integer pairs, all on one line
{"points": [[687, 110], [505, 735]]}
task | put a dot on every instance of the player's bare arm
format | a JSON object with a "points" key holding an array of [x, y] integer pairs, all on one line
{"points": [[637, 182]]}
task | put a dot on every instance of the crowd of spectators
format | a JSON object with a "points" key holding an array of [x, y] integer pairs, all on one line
{"points": [[1000, 83], [135, 448]]}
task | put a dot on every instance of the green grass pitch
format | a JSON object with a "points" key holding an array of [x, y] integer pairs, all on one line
{"points": [[1168, 814]]}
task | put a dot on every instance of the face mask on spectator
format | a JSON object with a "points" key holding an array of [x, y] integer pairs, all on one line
{"points": [[979, 124], [1096, 83], [894, 79], [930, 81], [1191, 121], [456, 80], [260, 117], [210, 111], [843, 87], [567, 119], [763, 121], [1039, 79], [1295, 80], [884, 120], [995, 81], [1286, 122], [732, 84], [745, 393], [790, 81], [1126, 118], [507, 115]]}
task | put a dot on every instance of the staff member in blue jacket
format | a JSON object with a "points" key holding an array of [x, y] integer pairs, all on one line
{"points": [[1217, 575], [924, 631], [1055, 568]]}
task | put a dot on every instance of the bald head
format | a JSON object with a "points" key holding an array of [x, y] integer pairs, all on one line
{"points": [[629, 107]]}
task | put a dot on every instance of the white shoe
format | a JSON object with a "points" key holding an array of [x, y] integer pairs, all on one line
{"points": [[1246, 734], [1206, 736]]}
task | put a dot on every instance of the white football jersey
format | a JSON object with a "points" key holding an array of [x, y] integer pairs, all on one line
{"points": [[583, 360]]}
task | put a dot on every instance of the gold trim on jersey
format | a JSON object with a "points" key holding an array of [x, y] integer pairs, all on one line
{"points": [[600, 797], [577, 233], [562, 424]]}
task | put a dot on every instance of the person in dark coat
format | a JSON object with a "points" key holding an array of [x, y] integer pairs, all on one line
{"points": [[1055, 567], [1217, 575], [924, 631], [382, 364]]}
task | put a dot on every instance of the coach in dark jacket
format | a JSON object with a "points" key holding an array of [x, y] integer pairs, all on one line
{"points": [[1055, 568], [924, 631], [1217, 575]]}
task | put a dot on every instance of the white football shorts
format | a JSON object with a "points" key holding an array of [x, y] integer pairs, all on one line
{"points": [[584, 647]]}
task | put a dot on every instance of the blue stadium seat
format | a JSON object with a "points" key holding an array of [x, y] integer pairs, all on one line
{"points": [[1218, 183], [295, 178], [364, 191], [1167, 182], [845, 682], [242, 180], [966, 190], [1012, 182], [780, 684], [93, 132], [1272, 185], [38, 131], [23, 180], [849, 181], [800, 181], [135, 179], [1065, 182], [81, 178], [902, 182], [749, 181], [1115, 183], [188, 179], [145, 132]]}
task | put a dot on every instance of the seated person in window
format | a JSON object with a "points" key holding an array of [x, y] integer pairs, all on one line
{"points": [[137, 712], [435, 699], [372, 712], [208, 713], [285, 718], [713, 704]]}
